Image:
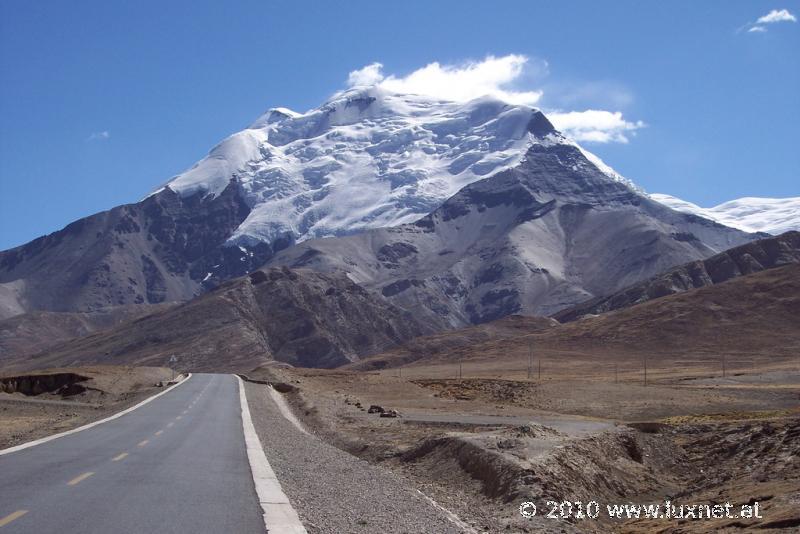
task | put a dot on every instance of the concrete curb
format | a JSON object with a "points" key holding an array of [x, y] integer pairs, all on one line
{"points": [[279, 515], [91, 425]]}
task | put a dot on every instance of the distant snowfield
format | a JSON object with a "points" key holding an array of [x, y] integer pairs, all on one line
{"points": [[751, 214], [367, 158]]}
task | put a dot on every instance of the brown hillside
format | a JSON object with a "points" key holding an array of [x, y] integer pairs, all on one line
{"points": [[294, 316], [754, 317]]}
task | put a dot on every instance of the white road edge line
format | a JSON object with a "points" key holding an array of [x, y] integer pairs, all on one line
{"points": [[279, 515], [90, 425]]}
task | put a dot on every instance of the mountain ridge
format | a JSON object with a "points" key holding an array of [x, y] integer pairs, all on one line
{"points": [[697, 325], [272, 315], [753, 257]]}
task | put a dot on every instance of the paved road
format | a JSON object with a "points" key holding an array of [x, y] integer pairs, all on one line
{"points": [[175, 465]]}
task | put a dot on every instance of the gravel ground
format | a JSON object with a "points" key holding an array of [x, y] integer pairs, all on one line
{"points": [[333, 491]]}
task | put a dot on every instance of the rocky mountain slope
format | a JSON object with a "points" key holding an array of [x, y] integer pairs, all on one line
{"points": [[755, 317], [155, 251], [771, 215], [739, 261], [294, 316], [549, 233]]}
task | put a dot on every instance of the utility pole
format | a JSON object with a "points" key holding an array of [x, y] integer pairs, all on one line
{"points": [[530, 360], [459, 369], [645, 370]]}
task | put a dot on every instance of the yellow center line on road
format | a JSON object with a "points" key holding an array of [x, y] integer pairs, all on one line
{"points": [[159, 432], [11, 517], [119, 457], [143, 443], [80, 478]]}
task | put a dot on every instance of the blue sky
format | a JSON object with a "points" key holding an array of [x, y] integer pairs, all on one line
{"points": [[100, 102]]}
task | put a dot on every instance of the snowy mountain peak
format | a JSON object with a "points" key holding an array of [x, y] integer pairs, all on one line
{"points": [[366, 158], [274, 115]]}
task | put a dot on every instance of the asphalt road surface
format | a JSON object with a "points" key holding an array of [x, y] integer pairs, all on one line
{"points": [[175, 465]]}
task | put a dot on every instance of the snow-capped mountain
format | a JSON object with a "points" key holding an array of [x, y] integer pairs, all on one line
{"points": [[367, 158], [498, 182], [751, 214]]}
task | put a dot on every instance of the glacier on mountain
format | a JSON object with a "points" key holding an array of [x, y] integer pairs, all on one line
{"points": [[367, 158]]}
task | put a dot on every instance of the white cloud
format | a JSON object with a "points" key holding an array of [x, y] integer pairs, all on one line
{"points": [[500, 77], [777, 15], [493, 76], [99, 136], [774, 16], [594, 125], [369, 75]]}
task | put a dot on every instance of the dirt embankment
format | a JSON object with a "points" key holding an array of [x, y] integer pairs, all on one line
{"points": [[38, 404], [65, 384]]}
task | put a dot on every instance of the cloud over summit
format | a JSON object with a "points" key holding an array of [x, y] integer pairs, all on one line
{"points": [[462, 82], [500, 77]]}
